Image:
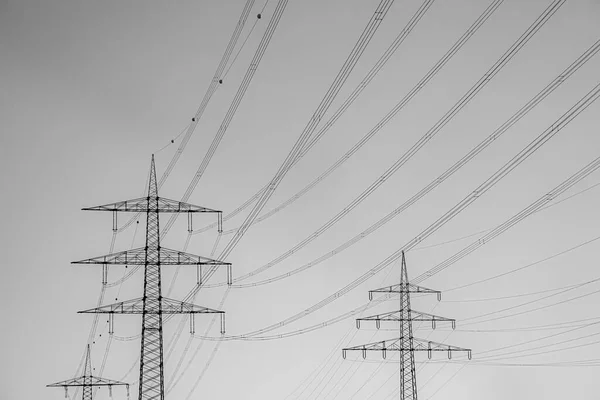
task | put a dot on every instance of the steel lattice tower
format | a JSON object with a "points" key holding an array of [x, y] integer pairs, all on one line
{"points": [[406, 344], [87, 381], [152, 306]]}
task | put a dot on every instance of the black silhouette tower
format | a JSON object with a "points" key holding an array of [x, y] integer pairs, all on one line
{"points": [[152, 306]]}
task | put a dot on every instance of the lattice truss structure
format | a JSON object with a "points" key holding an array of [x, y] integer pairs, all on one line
{"points": [[152, 306], [406, 344], [87, 381]]}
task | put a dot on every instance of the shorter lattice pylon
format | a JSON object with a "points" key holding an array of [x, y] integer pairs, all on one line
{"points": [[87, 381], [406, 344]]}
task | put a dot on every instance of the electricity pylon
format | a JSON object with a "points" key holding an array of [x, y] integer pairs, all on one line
{"points": [[152, 305], [87, 381], [406, 344]]}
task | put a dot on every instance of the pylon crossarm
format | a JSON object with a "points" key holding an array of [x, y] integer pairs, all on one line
{"points": [[405, 288], [166, 306], [87, 381], [136, 306], [138, 257], [395, 345], [141, 205], [397, 316]]}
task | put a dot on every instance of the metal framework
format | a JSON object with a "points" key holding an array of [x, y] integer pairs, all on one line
{"points": [[406, 344], [87, 381], [152, 305]]}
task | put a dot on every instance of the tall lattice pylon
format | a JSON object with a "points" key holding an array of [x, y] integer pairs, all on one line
{"points": [[87, 381], [152, 306], [406, 344]]}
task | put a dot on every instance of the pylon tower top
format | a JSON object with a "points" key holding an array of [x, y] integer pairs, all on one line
{"points": [[404, 285]]}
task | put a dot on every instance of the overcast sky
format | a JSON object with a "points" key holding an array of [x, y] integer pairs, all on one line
{"points": [[91, 89]]}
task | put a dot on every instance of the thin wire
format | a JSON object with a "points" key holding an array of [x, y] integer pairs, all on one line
{"points": [[332, 92], [549, 351], [252, 336], [489, 229], [512, 365], [245, 40], [530, 149], [589, 282], [562, 77], [437, 127], [560, 325], [254, 64], [213, 320], [337, 114], [525, 266], [526, 294], [214, 85], [448, 381], [543, 138], [313, 375], [173, 382], [533, 310], [172, 141], [533, 341]]}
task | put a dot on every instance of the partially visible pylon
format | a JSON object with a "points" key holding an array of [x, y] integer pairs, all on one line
{"points": [[406, 344], [87, 381], [152, 305]]}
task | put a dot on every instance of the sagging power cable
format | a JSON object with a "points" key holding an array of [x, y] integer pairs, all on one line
{"points": [[436, 182], [390, 51], [524, 154]]}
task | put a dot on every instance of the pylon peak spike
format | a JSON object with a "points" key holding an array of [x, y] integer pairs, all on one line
{"points": [[88, 362], [152, 184], [403, 272]]}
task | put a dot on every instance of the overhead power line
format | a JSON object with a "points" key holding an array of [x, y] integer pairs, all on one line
{"points": [[535, 206], [212, 88], [358, 310], [534, 309], [385, 120], [525, 266], [330, 95], [434, 130], [436, 182], [524, 154], [389, 52], [254, 64]]}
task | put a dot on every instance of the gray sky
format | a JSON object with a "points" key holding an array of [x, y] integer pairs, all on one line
{"points": [[91, 89]]}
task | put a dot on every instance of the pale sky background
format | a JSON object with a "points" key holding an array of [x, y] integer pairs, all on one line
{"points": [[91, 89]]}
